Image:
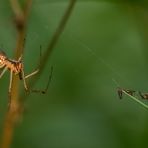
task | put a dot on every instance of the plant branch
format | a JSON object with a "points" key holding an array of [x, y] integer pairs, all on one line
{"points": [[12, 116], [57, 33], [54, 40]]}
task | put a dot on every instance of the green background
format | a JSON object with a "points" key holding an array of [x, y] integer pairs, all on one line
{"points": [[103, 41]]}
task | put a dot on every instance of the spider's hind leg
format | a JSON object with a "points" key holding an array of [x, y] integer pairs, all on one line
{"points": [[47, 86], [36, 90]]}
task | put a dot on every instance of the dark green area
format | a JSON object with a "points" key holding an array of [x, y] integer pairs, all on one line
{"points": [[103, 41]]}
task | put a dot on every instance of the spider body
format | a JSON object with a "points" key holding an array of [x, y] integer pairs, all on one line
{"points": [[3, 58], [14, 65]]}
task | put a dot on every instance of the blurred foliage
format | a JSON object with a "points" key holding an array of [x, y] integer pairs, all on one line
{"points": [[103, 40]]}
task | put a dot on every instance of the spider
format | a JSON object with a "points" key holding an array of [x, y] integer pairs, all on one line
{"points": [[16, 67], [131, 92], [120, 92], [143, 95]]}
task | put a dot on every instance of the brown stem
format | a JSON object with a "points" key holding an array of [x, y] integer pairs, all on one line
{"points": [[13, 113], [57, 33], [15, 107], [54, 39]]}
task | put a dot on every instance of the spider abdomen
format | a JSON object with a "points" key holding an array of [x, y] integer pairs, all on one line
{"points": [[14, 66]]}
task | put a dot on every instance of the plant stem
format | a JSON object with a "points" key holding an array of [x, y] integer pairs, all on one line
{"points": [[15, 109], [136, 100], [54, 40]]}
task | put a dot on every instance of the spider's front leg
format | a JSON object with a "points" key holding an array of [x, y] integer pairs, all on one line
{"points": [[10, 83], [3, 71], [10, 88]]}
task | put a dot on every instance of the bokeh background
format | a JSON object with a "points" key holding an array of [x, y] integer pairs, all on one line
{"points": [[104, 41]]}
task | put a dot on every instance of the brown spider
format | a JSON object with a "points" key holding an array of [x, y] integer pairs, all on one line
{"points": [[120, 92], [16, 67], [143, 95]]}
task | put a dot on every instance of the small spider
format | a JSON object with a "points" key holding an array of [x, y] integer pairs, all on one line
{"points": [[16, 67], [120, 92], [143, 95]]}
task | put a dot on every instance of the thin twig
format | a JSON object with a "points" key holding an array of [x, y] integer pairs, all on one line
{"points": [[17, 10], [54, 40], [136, 100], [57, 33]]}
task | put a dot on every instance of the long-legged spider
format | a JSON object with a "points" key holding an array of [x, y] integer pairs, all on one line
{"points": [[16, 67]]}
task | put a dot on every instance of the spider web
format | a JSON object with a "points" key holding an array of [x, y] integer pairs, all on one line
{"points": [[99, 59]]}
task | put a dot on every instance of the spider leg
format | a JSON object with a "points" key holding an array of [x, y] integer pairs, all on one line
{"points": [[36, 90], [49, 80], [34, 73], [3, 71], [31, 74], [47, 86], [1, 74], [24, 81], [20, 58], [10, 83], [10, 86]]}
